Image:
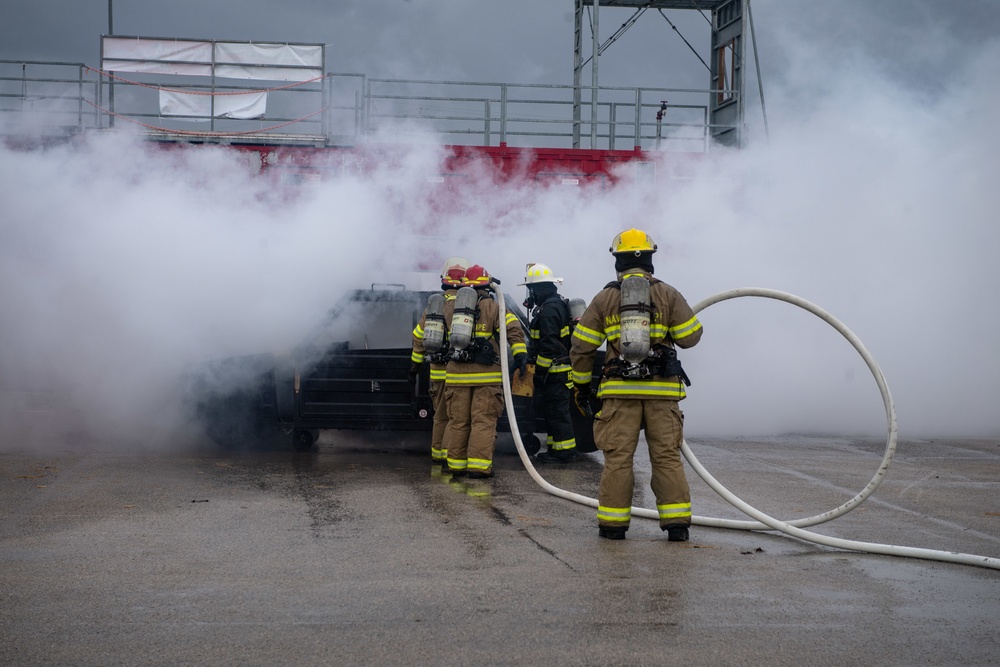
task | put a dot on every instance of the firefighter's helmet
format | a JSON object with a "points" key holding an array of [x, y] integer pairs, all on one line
{"points": [[453, 271], [539, 273], [632, 241], [476, 276]]}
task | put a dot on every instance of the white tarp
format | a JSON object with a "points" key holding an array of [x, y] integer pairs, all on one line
{"points": [[266, 73], [151, 67], [298, 62], [235, 60], [251, 105], [148, 55]]}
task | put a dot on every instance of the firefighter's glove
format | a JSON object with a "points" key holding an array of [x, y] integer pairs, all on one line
{"points": [[581, 398], [413, 373], [521, 364]]}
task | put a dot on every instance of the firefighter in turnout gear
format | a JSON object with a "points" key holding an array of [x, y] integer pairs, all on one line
{"points": [[549, 329], [451, 280], [473, 385], [643, 320]]}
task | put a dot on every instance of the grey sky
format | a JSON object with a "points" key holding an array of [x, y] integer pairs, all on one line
{"points": [[521, 41]]}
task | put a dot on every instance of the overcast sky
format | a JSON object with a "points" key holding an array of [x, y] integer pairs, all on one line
{"points": [[517, 41], [875, 198]]}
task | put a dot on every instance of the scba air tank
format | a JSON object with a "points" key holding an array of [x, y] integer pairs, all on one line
{"points": [[434, 324], [636, 309], [577, 307], [463, 321]]}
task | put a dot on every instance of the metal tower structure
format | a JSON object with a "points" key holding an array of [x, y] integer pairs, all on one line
{"points": [[726, 64]]}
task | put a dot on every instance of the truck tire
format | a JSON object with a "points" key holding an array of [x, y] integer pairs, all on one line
{"points": [[303, 439], [531, 443]]}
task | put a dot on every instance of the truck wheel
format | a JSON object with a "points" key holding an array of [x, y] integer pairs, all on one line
{"points": [[531, 443], [303, 439]]}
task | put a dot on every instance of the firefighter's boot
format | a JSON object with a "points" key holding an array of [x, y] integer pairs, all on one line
{"points": [[612, 532], [676, 533], [557, 456]]}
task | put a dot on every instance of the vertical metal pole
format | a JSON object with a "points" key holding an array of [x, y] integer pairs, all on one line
{"points": [[366, 114], [98, 117], [577, 65], [79, 98], [760, 83], [593, 82], [111, 82], [741, 86], [611, 126], [706, 138], [211, 107], [486, 123], [503, 114], [637, 142], [659, 124], [326, 95]]}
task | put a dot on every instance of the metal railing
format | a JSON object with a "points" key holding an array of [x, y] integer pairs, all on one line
{"points": [[348, 109], [44, 97]]}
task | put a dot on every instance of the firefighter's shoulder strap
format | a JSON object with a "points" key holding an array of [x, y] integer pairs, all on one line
{"points": [[617, 284], [565, 316], [564, 311]]}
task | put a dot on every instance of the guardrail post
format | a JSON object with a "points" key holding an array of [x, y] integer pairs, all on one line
{"points": [[79, 101], [503, 114], [637, 144], [612, 125], [211, 108], [366, 111], [486, 123], [594, 55]]}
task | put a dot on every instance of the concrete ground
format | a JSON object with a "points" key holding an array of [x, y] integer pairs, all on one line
{"points": [[362, 553]]}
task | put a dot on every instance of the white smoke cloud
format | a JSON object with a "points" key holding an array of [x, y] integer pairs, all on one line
{"points": [[873, 200], [122, 264]]}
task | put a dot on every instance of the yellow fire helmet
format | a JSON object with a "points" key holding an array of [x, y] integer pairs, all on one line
{"points": [[539, 273], [632, 241]]}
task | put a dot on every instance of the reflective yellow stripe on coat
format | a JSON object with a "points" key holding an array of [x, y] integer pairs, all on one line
{"points": [[618, 388], [471, 379]]}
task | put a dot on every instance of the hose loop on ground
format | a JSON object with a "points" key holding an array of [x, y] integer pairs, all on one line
{"points": [[763, 521]]}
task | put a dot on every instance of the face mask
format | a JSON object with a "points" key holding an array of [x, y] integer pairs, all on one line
{"points": [[529, 303]]}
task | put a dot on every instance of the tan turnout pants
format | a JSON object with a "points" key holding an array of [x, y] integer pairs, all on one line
{"points": [[616, 432], [471, 434], [440, 423]]}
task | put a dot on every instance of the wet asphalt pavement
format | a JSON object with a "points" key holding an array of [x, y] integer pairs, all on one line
{"points": [[363, 553]]}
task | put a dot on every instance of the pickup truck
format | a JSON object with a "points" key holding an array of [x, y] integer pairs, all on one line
{"points": [[349, 373]]}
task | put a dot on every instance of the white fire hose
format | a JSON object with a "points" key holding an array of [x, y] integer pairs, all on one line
{"points": [[763, 521]]}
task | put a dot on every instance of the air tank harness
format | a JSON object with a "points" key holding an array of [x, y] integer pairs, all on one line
{"points": [[479, 351], [662, 361]]}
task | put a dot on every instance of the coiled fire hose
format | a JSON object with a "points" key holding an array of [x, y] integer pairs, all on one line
{"points": [[762, 520]]}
